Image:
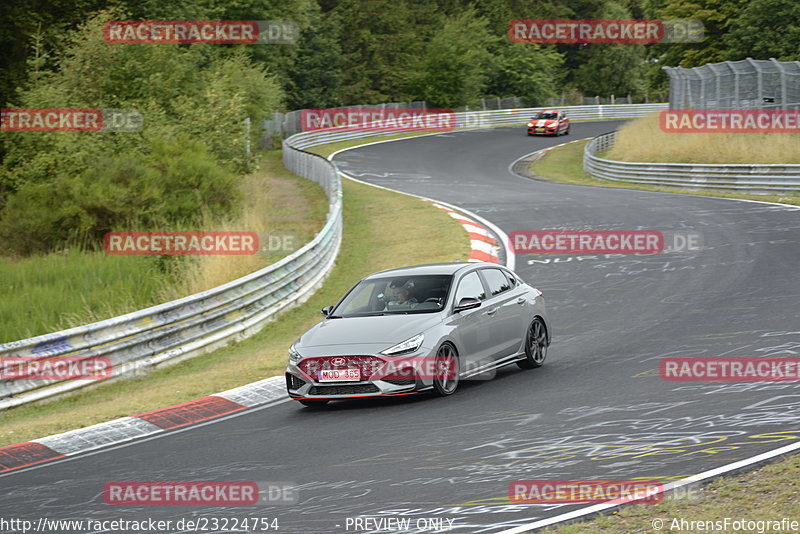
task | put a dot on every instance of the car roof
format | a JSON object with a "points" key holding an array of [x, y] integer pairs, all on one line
{"points": [[429, 268]]}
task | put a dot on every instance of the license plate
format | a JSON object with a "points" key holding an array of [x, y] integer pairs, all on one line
{"points": [[539, 129], [339, 375]]}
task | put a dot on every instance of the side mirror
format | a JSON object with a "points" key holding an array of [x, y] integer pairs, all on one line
{"points": [[467, 303], [326, 311]]}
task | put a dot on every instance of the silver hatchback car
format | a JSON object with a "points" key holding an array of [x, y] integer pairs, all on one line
{"points": [[421, 328]]}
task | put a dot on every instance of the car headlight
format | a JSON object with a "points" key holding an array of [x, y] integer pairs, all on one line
{"points": [[409, 345], [530, 125], [294, 356]]}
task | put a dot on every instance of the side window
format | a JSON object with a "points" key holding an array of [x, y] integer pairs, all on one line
{"points": [[511, 280], [496, 280], [470, 286]]}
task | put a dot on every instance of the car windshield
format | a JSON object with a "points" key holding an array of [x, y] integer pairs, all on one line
{"points": [[395, 295], [541, 115]]}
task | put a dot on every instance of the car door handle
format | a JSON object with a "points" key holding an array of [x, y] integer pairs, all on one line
{"points": [[521, 300], [490, 312]]}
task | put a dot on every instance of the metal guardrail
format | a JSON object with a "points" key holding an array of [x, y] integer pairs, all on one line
{"points": [[485, 119], [289, 123], [176, 330], [773, 177]]}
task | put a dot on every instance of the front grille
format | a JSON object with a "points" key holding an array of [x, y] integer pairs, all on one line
{"points": [[344, 389], [401, 382], [366, 364], [293, 382]]}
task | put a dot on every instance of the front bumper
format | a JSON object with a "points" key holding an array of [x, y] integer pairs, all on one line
{"points": [[536, 130], [302, 383]]}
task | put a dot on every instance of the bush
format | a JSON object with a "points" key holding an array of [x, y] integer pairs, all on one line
{"points": [[174, 185], [182, 166]]}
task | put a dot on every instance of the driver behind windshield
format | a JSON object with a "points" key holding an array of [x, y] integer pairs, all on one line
{"points": [[399, 295]]}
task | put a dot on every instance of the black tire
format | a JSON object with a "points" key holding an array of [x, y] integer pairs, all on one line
{"points": [[445, 386], [535, 345], [567, 132], [313, 403]]}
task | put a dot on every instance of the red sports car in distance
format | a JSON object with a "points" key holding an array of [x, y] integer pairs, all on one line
{"points": [[548, 122]]}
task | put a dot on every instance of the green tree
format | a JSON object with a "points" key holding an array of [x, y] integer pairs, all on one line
{"points": [[279, 59], [498, 13], [606, 69], [765, 29], [380, 42], [454, 69], [174, 183], [527, 70], [194, 100], [314, 79], [717, 17]]}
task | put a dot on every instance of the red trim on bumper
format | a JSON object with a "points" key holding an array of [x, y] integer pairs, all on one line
{"points": [[315, 397]]}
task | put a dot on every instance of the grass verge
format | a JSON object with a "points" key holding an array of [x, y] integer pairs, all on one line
{"points": [[52, 292], [565, 164], [381, 230], [769, 493], [644, 140]]}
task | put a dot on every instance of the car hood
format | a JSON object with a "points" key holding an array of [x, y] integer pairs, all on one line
{"points": [[543, 122], [386, 330]]}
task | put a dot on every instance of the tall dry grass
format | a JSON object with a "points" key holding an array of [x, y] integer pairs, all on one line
{"points": [[274, 200], [643, 140]]}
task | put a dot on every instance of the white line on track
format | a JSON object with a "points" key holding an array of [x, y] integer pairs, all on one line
{"points": [[718, 471]]}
